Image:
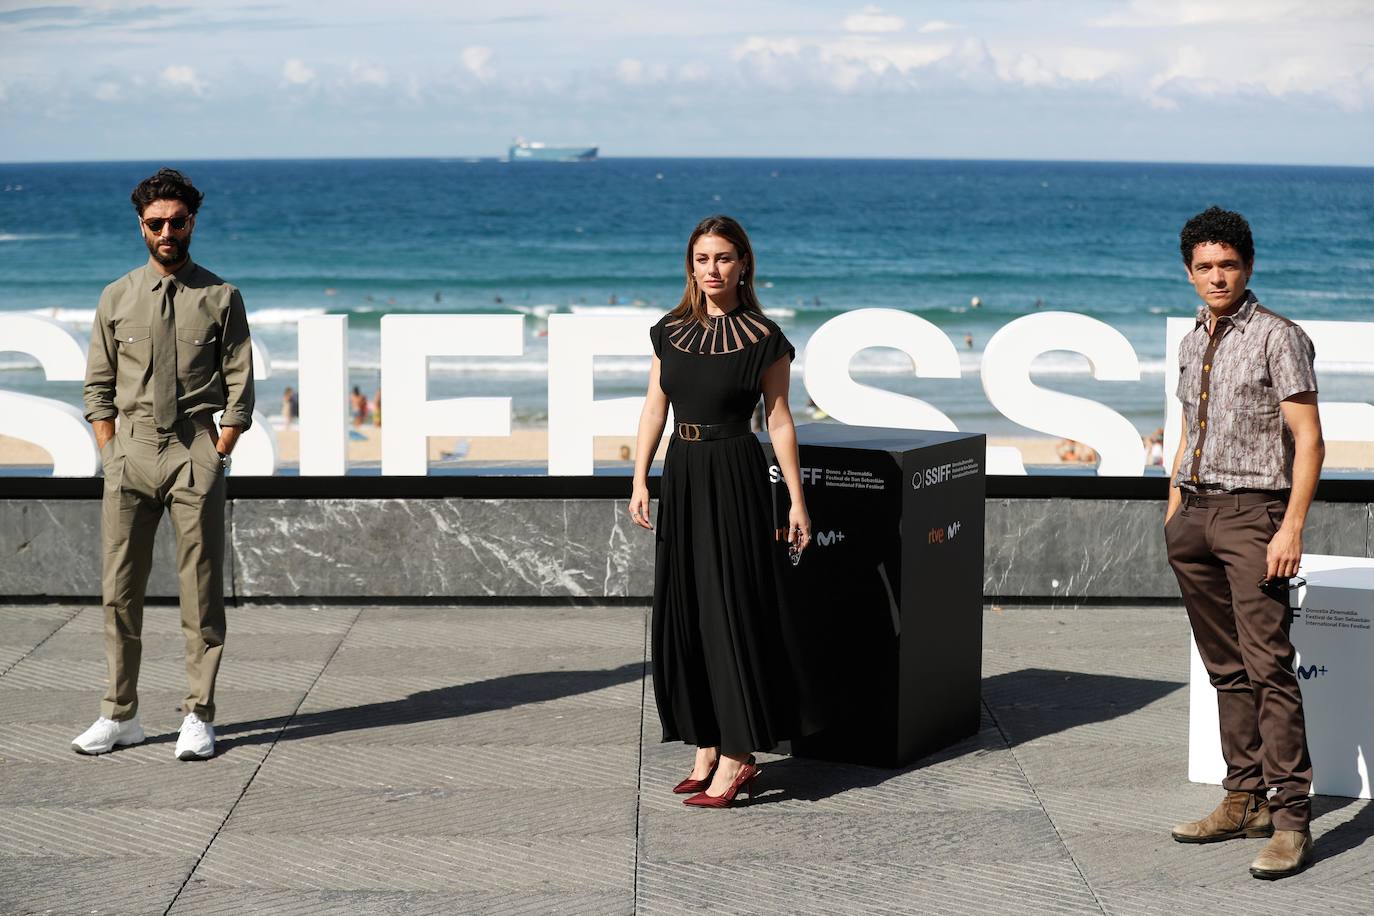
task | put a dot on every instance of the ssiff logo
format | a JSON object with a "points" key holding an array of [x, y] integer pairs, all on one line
{"points": [[931, 476], [808, 475], [945, 534]]}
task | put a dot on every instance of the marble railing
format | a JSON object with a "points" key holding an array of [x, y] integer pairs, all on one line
{"points": [[522, 549]]}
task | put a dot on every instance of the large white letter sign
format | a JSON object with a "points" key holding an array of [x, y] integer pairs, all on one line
{"points": [[575, 416], [1007, 360], [834, 344], [1336, 342], [256, 453], [408, 341], [59, 428], [322, 342], [1343, 342]]}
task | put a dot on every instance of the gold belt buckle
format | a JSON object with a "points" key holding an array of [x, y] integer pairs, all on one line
{"points": [[689, 432]]}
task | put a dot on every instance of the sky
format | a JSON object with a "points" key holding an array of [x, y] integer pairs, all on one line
{"points": [[1262, 81]]}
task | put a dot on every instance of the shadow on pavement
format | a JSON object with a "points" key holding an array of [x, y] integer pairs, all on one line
{"points": [[1024, 705], [496, 693], [1035, 702], [1350, 835]]}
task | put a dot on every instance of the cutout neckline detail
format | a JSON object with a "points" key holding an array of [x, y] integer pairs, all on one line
{"points": [[728, 333]]}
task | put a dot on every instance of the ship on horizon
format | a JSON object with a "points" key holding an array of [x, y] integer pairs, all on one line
{"points": [[525, 151]]}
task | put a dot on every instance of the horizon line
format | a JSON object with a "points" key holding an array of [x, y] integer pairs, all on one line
{"points": [[775, 158]]}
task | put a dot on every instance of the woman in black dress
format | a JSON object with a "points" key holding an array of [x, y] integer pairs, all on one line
{"points": [[726, 651]]}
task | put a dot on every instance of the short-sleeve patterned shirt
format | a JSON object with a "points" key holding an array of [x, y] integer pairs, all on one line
{"points": [[1231, 383]]}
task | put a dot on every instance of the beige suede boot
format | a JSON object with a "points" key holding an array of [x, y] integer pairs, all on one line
{"points": [[1240, 815], [1289, 852]]}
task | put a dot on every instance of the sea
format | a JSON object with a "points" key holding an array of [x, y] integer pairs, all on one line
{"points": [[967, 245]]}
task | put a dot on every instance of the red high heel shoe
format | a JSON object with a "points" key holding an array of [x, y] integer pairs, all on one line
{"points": [[744, 782], [690, 785]]}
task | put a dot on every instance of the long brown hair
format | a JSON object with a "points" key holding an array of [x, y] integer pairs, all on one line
{"points": [[693, 303]]}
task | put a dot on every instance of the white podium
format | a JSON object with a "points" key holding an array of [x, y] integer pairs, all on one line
{"points": [[1332, 633]]}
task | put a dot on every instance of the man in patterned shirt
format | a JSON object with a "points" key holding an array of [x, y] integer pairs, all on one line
{"points": [[1242, 482]]}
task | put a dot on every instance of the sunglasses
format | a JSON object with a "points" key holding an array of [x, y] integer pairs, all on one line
{"points": [[155, 223]]}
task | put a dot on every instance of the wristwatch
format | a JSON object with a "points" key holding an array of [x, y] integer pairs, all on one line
{"points": [[225, 461]]}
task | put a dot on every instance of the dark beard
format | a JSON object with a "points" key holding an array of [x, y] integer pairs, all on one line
{"points": [[183, 246]]}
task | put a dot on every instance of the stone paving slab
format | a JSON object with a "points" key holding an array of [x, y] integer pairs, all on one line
{"points": [[506, 760]]}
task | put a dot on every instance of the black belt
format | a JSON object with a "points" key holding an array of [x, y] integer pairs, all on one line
{"points": [[700, 432], [1234, 500]]}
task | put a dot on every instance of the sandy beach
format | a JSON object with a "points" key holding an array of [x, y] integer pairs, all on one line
{"points": [[529, 445]]}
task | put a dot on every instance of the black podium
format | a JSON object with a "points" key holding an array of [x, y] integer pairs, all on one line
{"points": [[895, 578]]}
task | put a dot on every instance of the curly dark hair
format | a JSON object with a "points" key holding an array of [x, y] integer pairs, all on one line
{"points": [[1217, 225], [167, 184]]}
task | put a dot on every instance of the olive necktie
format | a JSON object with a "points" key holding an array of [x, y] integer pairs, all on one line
{"points": [[165, 360]]}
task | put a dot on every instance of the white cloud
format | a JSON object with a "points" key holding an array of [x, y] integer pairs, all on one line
{"points": [[853, 63], [477, 61], [295, 73], [873, 19], [1157, 13], [1060, 66], [363, 73], [1194, 72], [630, 71], [180, 76], [936, 25], [694, 72], [759, 45], [107, 92]]}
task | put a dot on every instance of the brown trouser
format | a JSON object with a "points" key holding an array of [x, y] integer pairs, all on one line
{"points": [[1218, 547], [145, 471]]}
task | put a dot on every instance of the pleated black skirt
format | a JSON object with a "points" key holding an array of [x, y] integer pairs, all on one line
{"points": [[730, 661]]}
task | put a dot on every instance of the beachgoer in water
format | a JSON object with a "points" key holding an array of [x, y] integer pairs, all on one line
{"points": [[358, 405], [290, 406], [1154, 448]]}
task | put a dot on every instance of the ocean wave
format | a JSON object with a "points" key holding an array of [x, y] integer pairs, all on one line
{"points": [[537, 311], [37, 236], [18, 365], [646, 311], [869, 362], [282, 315], [802, 316], [1332, 367], [81, 317], [892, 362]]}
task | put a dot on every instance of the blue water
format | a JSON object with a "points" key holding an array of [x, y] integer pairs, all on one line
{"points": [[368, 237]]}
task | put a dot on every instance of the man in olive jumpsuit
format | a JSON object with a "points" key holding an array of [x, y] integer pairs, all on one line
{"points": [[169, 348]]}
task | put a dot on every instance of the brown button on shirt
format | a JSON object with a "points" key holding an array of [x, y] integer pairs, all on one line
{"points": [[1230, 383], [214, 355]]}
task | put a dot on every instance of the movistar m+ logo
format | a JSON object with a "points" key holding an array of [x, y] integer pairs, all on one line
{"points": [[945, 534]]}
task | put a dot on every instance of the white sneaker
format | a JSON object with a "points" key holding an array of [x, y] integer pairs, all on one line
{"points": [[106, 735], [197, 739]]}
